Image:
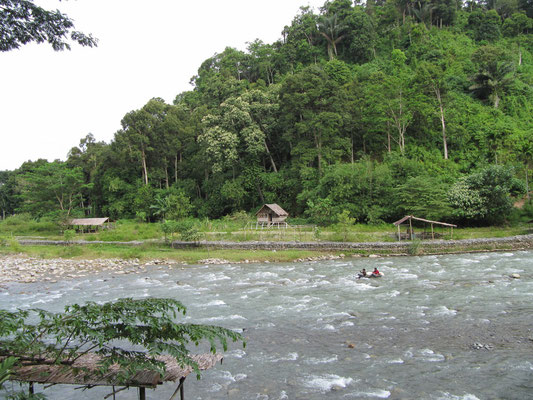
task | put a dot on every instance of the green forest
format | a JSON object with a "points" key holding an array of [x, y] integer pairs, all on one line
{"points": [[372, 110]]}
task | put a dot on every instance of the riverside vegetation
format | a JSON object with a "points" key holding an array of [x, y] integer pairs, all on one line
{"points": [[378, 110], [360, 112], [152, 241]]}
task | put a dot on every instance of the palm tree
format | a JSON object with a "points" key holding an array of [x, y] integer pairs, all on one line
{"points": [[424, 12], [330, 29], [492, 80], [162, 206]]}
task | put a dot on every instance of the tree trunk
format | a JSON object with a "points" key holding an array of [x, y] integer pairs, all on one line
{"points": [[388, 138], [443, 122], [527, 182], [270, 156], [176, 168], [496, 100], [260, 194], [318, 144], [145, 168], [352, 155]]}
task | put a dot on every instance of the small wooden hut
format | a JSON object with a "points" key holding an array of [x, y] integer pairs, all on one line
{"points": [[89, 224], [408, 220], [271, 215], [84, 372]]}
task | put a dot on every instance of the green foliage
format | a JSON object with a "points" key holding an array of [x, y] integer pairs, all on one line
{"points": [[169, 228], [484, 196], [187, 230], [171, 203], [356, 108], [424, 197], [68, 235], [344, 222], [51, 187], [5, 369], [127, 332], [414, 247], [23, 22]]}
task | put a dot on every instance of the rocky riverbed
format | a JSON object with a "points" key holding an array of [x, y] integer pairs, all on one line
{"points": [[23, 269]]}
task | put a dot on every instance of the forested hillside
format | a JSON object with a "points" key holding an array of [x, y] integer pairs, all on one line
{"points": [[381, 109]]}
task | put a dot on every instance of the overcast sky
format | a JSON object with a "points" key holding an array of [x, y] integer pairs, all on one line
{"points": [[50, 100]]}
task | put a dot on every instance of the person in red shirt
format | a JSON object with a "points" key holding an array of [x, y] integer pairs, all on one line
{"points": [[376, 272]]}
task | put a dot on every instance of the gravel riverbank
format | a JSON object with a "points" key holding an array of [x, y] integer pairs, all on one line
{"points": [[24, 269]]}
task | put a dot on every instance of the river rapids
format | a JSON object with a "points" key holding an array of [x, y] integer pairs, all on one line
{"points": [[434, 327]]}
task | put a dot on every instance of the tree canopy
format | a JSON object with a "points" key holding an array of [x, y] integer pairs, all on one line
{"points": [[357, 107], [23, 22]]}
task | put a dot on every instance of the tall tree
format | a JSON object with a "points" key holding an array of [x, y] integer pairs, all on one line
{"points": [[22, 22], [310, 104], [331, 29], [494, 75], [52, 187]]}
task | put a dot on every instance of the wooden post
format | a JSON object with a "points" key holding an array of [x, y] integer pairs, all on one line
{"points": [[182, 390], [451, 232], [410, 228], [179, 389], [399, 234], [432, 233], [142, 393]]}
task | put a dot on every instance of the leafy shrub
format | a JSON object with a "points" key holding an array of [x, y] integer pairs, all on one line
{"points": [[188, 231], [69, 234], [484, 196], [414, 247], [18, 219]]}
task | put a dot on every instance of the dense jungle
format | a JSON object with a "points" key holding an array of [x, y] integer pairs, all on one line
{"points": [[369, 111]]}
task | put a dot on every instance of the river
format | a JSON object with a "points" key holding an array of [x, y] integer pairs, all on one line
{"points": [[434, 327]]}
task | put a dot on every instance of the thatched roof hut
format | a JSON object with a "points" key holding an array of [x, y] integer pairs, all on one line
{"points": [[271, 214], [84, 372]]}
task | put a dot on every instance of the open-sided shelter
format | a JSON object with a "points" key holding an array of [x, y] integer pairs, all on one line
{"points": [[89, 224], [408, 220], [83, 372]]}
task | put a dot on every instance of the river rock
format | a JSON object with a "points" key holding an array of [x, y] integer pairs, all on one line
{"points": [[515, 276], [481, 346]]}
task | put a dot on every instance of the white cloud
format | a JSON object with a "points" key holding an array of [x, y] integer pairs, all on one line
{"points": [[50, 100]]}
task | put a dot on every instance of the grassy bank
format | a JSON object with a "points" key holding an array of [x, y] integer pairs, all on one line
{"points": [[243, 229], [152, 252], [240, 229]]}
